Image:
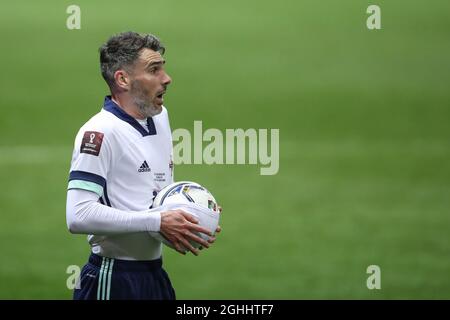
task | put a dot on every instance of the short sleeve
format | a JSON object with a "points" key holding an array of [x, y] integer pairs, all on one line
{"points": [[90, 161]]}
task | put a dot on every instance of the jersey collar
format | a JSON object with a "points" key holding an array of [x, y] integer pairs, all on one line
{"points": [[112, 107]]}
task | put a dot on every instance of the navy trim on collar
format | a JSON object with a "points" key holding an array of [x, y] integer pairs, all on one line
{"points": [[112, 107]]}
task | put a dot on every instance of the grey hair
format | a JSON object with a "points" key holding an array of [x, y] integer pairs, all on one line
{"points": [[122, 50]]}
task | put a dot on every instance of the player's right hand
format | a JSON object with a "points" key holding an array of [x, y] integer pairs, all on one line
{"points": [[179, 227]]}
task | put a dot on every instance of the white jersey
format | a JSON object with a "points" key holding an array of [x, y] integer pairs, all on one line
{"points": [[126, 165]]}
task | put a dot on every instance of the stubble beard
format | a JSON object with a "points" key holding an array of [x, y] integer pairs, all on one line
{"points": [[142, 101]]}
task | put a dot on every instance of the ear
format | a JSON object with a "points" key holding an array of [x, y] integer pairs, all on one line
{"points": [[122, 79]]}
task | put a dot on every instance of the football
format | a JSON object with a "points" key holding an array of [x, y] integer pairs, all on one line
{"points": [[192, 198]]}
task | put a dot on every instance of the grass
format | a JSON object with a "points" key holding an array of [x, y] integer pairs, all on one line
{"points": [[364, 142]]}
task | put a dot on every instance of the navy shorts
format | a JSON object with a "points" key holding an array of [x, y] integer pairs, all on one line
{"points": [[107, 279]]}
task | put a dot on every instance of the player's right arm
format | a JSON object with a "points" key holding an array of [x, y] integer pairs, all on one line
{"points": [[91, 162], [85, 215]]}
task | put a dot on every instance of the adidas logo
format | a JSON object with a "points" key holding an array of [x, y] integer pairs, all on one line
{"points": [[144, 167]]}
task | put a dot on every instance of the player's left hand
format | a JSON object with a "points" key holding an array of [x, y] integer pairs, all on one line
{"points": [[213, 238], [218, 227]]}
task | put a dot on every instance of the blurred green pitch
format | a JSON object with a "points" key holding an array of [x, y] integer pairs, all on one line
{"points": [[364, 142]]}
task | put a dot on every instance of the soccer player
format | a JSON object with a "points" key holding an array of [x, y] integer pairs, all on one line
{"points": [[122, 157]]}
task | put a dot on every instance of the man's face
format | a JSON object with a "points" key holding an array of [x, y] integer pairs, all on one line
{"points": [[149, 82]]}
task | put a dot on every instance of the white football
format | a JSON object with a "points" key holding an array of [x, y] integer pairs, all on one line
{"points": [[192, 198]]}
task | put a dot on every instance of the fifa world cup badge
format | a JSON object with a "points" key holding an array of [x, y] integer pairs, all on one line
{"points": [[92, 142]]}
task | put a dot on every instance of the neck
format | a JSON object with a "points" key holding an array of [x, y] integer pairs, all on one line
{"points": [[125, 102]]}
